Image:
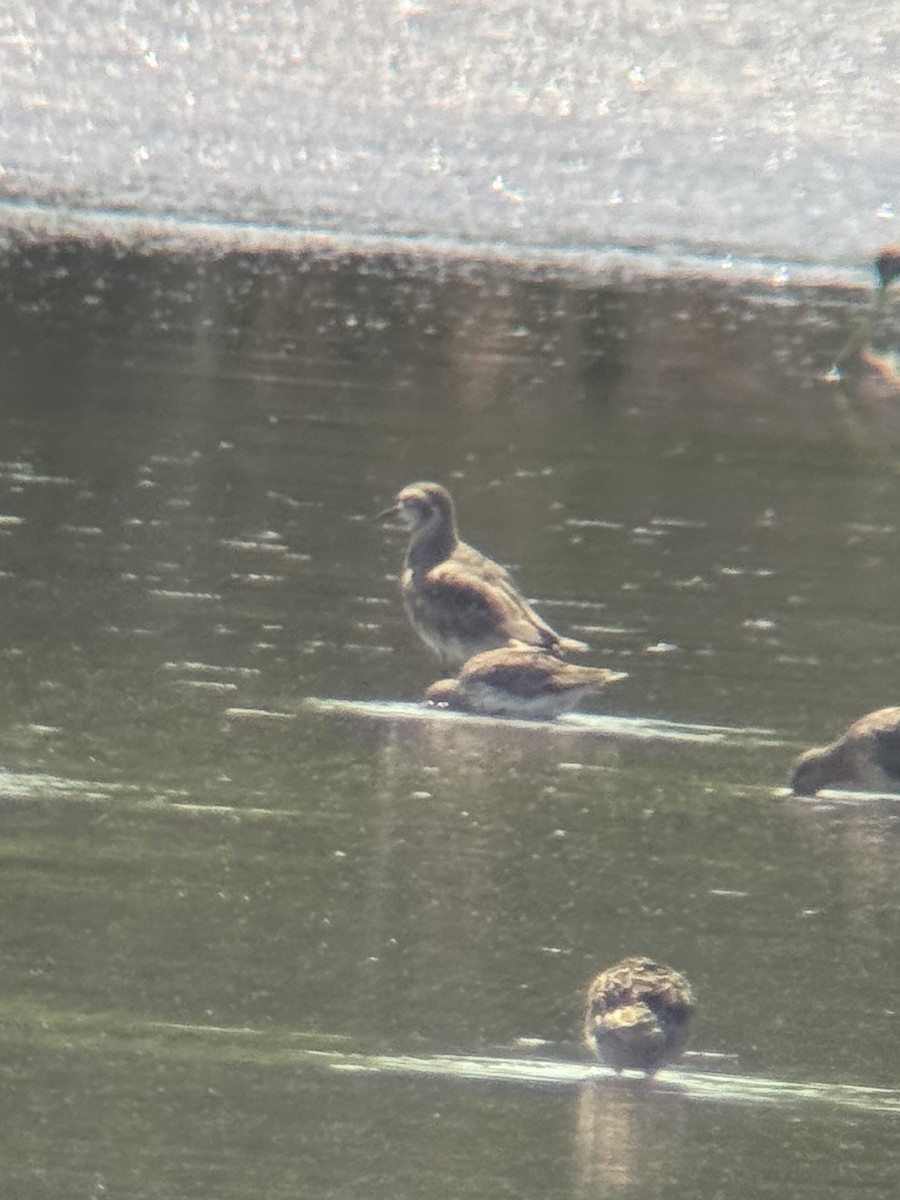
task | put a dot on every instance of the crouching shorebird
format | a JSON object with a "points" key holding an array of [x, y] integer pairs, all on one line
{"points": [[637, 1015], [459, 601], [519, 681], [867, 754], [887, 265]]}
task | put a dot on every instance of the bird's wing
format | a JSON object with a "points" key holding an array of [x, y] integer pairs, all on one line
{"points": [[474, 561], [480, 566], [525, 675], [476, 608]]}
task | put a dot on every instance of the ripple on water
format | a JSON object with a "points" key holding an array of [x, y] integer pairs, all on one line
{"points": [[572, 723]]}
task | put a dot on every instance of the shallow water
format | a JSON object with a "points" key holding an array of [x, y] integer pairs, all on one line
{"points": [[271, 929]]}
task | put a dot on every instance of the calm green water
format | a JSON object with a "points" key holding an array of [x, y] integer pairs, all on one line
{"points": [[244, 930]]}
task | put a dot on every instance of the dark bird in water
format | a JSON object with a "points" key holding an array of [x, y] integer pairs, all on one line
{"points": [[857, 354], [637, 1015], [518, 681], [867, 754], [887, 265], [459, 601]]}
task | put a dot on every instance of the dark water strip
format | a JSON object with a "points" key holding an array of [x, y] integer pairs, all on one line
{"points": [[177, 233]]}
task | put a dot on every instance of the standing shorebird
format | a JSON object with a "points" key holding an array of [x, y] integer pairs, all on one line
{"points": [[856, 354], [887, 265], [519, 681], [637, 1015], [459, 601], [867, 754]]}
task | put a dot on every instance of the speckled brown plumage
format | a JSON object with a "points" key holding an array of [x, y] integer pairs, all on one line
{"points": [[459, 601], [518, 681], [866, 754], [637, 1015]]}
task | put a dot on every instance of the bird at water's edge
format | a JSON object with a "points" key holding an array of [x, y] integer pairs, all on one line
{"points": [[857, 355], [866, 754], [887, 265], [519, 681], [637, 1015], [459, 601]]}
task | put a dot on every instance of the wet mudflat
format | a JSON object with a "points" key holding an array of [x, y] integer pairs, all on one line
{"points": [[269, 930]]}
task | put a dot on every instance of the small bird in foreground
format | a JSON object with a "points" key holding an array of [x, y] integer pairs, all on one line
{"points": [[519, 681], [459, 601], [867, 754], [637, 1015]]}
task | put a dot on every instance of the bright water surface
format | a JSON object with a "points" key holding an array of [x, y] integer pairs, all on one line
{"points": [[752, 126], [259, 943]]}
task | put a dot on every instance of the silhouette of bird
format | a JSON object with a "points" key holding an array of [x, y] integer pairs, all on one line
{"points": [[887, 265], [519, 681], [856, 355], [867, 754], [637, 1015], [459, 601]]}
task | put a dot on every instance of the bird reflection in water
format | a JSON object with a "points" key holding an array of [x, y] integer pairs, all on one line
{"points": [[629, 1138]]}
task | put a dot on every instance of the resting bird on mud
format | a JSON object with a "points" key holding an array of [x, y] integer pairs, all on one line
{"points": [[637, 1015], [518, 681], [866, 754], [460, 602]]}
